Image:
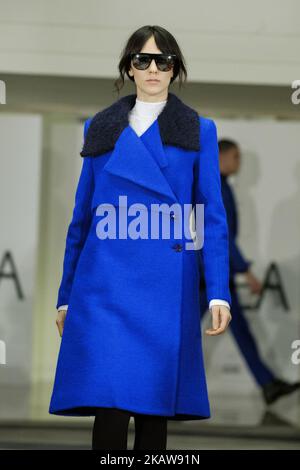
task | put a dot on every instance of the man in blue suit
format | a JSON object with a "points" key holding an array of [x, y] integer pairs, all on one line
{"points": [[272, 387]]}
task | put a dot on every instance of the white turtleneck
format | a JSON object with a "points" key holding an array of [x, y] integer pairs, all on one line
{"points": [[140, 117], [143, 114]]}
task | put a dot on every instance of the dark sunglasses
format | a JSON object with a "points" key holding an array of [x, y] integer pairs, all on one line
{"points": [[142, 60]]}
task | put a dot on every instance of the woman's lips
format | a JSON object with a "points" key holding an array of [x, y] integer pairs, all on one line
{"points": [[153, 81]]}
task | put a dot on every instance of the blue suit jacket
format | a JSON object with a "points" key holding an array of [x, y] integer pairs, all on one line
{"points": [[237, 262]]}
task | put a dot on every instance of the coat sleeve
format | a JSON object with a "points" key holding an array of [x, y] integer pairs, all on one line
{"points": [[215, 249], [78, 227]]}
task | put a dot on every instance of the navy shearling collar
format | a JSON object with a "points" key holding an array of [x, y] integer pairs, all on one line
{"points": [[179, 125]]}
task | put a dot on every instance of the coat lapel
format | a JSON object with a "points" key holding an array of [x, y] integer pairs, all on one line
{"points": [[151, 138], [141, 159], [132, 160]]}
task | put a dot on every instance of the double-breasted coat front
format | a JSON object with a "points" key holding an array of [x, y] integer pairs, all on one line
{"points": [[132, 336]]}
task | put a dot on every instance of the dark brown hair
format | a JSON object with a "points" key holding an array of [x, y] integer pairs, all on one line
{"points": [[226, 144], [164, 41]]}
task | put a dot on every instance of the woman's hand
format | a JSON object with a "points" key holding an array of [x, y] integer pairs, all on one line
{"points": [[60, 320], [221, 317]]}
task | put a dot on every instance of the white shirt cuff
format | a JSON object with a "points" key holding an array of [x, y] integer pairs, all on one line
{"points": [[219, 302], [63, 307]]}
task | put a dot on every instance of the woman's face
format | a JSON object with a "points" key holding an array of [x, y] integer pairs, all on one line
{"points": [[147, 90]]}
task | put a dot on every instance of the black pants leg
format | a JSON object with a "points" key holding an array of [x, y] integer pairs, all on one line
{"points": [[150, 432], [110, 430]]}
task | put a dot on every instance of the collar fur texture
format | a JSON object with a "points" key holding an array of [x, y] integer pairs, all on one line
{"points": [[178, 125]]}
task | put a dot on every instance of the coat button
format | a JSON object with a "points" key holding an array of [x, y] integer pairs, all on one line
{"points": [[177, 247]]}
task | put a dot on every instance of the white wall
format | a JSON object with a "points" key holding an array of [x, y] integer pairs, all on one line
{"points": [[20, 154], [235, 41]]}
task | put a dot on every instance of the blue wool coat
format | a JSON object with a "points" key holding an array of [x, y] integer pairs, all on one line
{"points": [[132, 337]]}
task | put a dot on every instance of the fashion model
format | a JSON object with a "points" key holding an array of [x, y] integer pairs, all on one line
{"points": [[128, 303]]}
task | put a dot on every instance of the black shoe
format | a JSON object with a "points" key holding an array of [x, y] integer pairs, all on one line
{"points": [[278, 388]]}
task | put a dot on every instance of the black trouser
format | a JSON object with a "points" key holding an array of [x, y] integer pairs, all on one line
{"points": [[111, 427]]}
